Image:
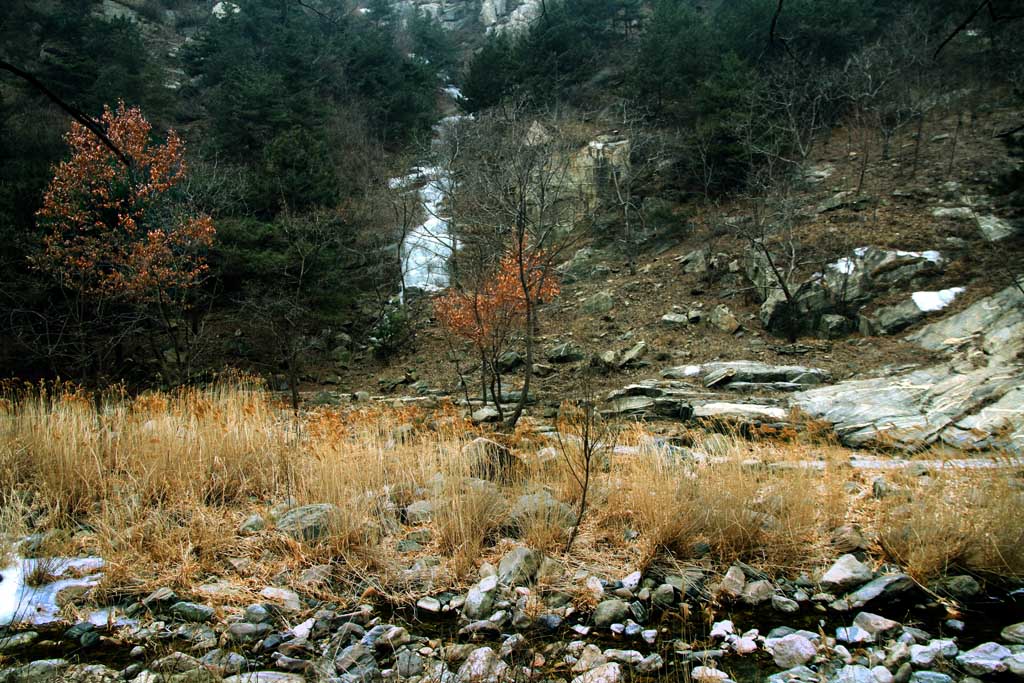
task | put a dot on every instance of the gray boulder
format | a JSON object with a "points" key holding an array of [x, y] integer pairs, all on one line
{"points": [[610, 612], [308, 522], [519, 566]]}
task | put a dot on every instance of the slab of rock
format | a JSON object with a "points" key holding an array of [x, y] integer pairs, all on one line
{"points": [[610, 612], [675, 320], [308, 522], [791, 650], [606, 673], [721, 374], [987, 658], [846, 572], [565, 353], [1013, 633], [887, 585]]}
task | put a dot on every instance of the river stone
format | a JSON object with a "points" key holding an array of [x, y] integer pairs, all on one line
{"points": [[875, 624], [409, 664], [853, 673], [1013, 634], [925, 655], [519, 566], [649, 664], [987, 658], [610, 612], [244, 632], [265, 677], [287, 600], [224, 662], [485, 415], [540, 506], [756, 592], [930, 677], [606, 673], [191, 611], [798, 674], [482, 666], [18, 641], [882, 675], [39, 671], [853, 635], [723, 318], [732, 584], [252, 524], [664, 596], [790, 651], [887, 585], [308, 522], [847, 572]]}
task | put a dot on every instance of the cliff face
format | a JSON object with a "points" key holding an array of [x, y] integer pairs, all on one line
{"points": [[477, 15]]}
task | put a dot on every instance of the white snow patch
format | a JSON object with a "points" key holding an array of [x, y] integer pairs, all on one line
{"points": [[936, 301], [845, 266], [37, 605], [453, 92], [426, 249], [223, 9]]}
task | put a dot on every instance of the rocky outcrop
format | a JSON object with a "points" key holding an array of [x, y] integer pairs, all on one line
{"points": [[975, 401]]}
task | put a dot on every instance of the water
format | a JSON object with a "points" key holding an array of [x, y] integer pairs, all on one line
{"points": [[427, 247]]}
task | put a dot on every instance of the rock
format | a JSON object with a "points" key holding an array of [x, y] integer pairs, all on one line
{"points": [[482, 666], [490, 460], [781, 603], [565, 353], [485, 415], [246, 633], [1013, 633], [287, 600], [581, 266], [722, 318], [744, 413], [849, 538], [732, 584], [429, 604], [707, 674], [479, 600], [308, 522], [853, 635], [519, 566], [650, 664], [630, 657], [358, 661], [633, 355], [675, 320], [846, 572], [265, 677], [39, 671], [18, 641], [542, 371], [696, 262], [190, 611], [887, 585], [419, 512], [790, 651], [252, 524], [223, 662], [742, 373], [925, 655], [987, 658], [881, 674], [995, 229], [606, 673], [853, 673], [540, 506], [875, 624], [892, 319], [609, 612], [175, 663], [833, 326], [756, 592], [961, 586], [510, 360], [598, 303], [664, 596], [930, 677], [798, 674]]}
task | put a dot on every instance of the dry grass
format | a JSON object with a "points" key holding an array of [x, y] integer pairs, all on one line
{"points": [[157, 485]]}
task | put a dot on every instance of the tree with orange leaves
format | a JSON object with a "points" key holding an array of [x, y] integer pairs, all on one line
{"points": [[489, 316], [120, 235]]}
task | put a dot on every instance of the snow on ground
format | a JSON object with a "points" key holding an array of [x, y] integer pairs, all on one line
{"points": [[37, 605], [936, 301], [454, 92]]}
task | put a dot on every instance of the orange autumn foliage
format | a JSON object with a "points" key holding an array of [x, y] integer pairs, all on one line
{"points": [[486, 316], [118, 230]]}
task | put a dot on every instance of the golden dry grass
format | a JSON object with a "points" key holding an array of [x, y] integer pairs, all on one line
{"points": [[158, 484]]}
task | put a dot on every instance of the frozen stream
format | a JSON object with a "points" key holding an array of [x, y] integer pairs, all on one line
{"points": [[25, 601]]}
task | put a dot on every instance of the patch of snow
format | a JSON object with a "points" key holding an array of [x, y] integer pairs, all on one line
{"points": [[37, 605], [223, 8], [453, 92], [936, 301], [426, 249], [845, 266]]}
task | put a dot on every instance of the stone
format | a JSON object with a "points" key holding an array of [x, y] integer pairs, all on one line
{"points": [[630, 657], [519, 566], [190, 611], [633, 355], [887, 585], [429, 604], [853, 673], [510, 360], [849, 538], [756, 592], [732, 584], [483, 665], [875, 624], [926, 655], [797, 674], [598, 303], [266, 677], [308, 522], [287, 601], [246, 633], [781, 603], [723, 318], [987, 658], [1013, 633], [478, 603], [696, 262], [675, 320], [606, 673], [224, 662], [650, 664], [707, 674], [846, 572], [565, 353], [18, 641], [853, 635], [358, 661], [419, 512], [253, 523], [790, 651], [995, 229], [609, 612], [485, 415], [930, 677], [175, 663], [960, 586], [664, 596], [881, 674], [543, 507]]}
